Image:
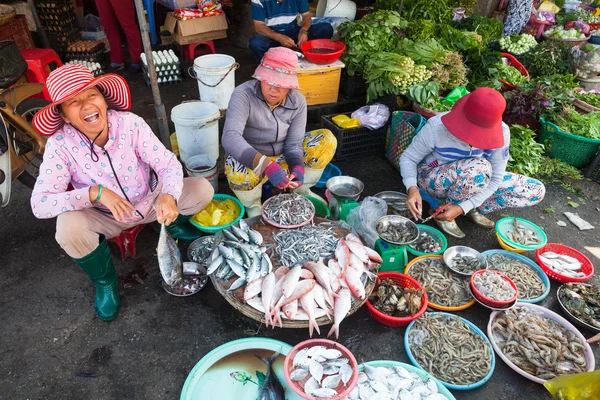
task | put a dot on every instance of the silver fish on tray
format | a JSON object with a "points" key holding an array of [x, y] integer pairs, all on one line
{"points": [[288, 209], [271, 388], [308, 243], [522, 235], [169, 259], [563, 264]]}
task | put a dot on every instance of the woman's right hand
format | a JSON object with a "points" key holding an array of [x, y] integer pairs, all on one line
{"points": [[277, 175], [415, 203], [120, 208]]}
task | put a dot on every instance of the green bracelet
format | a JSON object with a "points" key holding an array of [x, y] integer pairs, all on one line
{"points": [[99, 193]]}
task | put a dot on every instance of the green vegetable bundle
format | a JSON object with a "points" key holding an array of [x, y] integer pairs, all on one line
{"points": [[454, 39], [420, 29], [391, 73], [376, 32], [482, 64], [592, 99], [525, 155], [437, 11], [548, 58], [511, 75], [586, 125], [489, 28]]}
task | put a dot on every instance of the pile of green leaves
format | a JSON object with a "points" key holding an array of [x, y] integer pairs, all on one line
{"points": [[391, 5], [391, 73], [548, 58], [376, 32], [489, 28], [482, 64], [554, 170], [441, 106], [525, 155], [426, 95], [455, 39], [446, 66], [511, 75], [437, 11], [420, 29], [586, 125], [592, 99]]}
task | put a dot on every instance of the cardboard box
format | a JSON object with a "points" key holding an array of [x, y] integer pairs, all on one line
{"points": [[197, 30]]}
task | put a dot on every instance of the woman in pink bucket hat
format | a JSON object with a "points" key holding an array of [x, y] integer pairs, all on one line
{"points": [[105, 171], [265, 134], [460, 158]]}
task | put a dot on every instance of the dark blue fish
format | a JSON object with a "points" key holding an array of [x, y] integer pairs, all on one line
{"points": [[271, 388]]}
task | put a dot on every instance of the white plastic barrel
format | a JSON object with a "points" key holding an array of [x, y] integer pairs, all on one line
{"points": [[215, 74], [197, 129], [204, 166], [337, 8]]}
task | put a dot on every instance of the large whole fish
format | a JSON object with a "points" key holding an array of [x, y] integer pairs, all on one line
{"points": [[169, 259], [271, 388]]}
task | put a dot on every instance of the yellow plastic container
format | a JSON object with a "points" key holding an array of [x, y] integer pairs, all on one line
{"points": [[345, 122], [507, 247]]}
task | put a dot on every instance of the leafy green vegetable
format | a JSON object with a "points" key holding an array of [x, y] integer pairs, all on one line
{"points": [[489, 28], [483, 68], [554, 170], [426, 95], [391, 73], [376, 32], [586, 125], [420, 29], [441, 106], [549, 210], [592, 99], [525, 155], [548, 58], [436, 11], [511, 75], [454, 39]]}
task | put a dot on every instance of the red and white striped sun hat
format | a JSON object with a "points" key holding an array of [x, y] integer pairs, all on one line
{"points": [[67, 82]]}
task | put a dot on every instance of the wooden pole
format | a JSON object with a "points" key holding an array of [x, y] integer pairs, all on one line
{"points": [[400, 7], [163, 124]]}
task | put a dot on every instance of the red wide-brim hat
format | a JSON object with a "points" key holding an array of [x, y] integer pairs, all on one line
{"points": [[68, 81]]}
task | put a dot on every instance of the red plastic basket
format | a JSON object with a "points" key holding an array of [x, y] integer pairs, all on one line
{"points": [[513, 62], [342, 390], [586, 265], [486, 300], [404, 281], [594, 25]]}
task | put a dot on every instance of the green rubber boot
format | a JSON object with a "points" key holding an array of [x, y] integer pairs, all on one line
{"points": [[181, 229], [99, 267]]}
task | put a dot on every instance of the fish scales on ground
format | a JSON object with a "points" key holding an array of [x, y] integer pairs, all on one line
{"points": [[442, 286], [449, 349], [397, 231], [425, 243], [523, 235], [288, 209], [316, 372], [397, 301], [563, 264], [308, 243], [494, 286], [466, 264], [529, 283], [169, 259], [538, 345], [582, 300], [271, 388], [394, 383]]}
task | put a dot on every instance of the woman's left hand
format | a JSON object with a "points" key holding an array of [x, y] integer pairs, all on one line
{"points": [[450, 213], [166, 209]]}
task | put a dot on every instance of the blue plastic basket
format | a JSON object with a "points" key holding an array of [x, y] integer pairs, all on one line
{"points": [[531, 264], [450, 385], [215, 229]]}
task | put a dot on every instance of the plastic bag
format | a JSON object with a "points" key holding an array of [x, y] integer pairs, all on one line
{"points": [[455, 94], [549, 6], [575, 387], [373, 116], [363, 218], [585, 61]]}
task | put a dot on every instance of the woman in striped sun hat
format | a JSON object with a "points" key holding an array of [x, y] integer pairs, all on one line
{"points": [[104, 171]]}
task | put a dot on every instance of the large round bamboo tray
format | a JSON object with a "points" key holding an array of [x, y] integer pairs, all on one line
{"points": [[236, 298]]}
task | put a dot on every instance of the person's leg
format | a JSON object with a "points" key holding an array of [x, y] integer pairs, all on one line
{"points": [[516, 191], [245, 184], [319, 148], [259, 45], [125, 12], [322, 30], [110, 24]]}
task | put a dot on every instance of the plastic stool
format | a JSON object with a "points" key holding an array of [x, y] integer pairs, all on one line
{"points": [[126, 241], [189, 50], [40, 62]]}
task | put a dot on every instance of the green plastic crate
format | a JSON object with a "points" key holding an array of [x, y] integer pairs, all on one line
{"points": [[574, 150]]}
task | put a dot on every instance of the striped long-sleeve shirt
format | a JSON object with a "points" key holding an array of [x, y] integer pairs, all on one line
{"points": [[434, 146], [278, 16]]}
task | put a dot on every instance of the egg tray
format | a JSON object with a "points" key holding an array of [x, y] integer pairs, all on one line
{"points": [[147, 80]]}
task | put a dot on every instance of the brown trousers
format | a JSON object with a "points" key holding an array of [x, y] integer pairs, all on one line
{"points": [[77, 232]]}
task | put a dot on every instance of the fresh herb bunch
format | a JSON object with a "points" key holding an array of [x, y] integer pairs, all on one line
{"points": [[482, 64], [511, 75], [391, 73], [426, 95], [554, 170], [489, 28], [420, 29], [525, 156], [441, 106], [437, 11], [376, 32], [455, 39], [548, 58], [592, 99], [563, 17], [585, 125]]}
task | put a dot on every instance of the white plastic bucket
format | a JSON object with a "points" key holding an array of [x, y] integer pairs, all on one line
{"points": [[215, 74], [197, 129], [337, 8], [204, 166]]}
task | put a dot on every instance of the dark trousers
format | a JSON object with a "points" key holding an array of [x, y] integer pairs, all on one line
{"points": [[259, 44]]}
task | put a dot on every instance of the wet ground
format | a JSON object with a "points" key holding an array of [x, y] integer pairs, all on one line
{"points": [[53, 346]]}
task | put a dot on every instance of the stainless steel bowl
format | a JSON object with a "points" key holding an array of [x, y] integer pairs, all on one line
{"points": [[202, 246], [576, 321], [388, 220], [396, 203], [345, 186], [463, 251]]}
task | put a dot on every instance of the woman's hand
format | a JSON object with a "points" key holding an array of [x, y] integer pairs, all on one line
{"points": [[450, 213], [286, 41], [120, 208], [166, 209], [277, 175], [296, 177], [415, 203]]}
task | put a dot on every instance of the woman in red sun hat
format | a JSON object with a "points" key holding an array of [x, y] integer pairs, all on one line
{"points": [[460, 158], [104, 171]]}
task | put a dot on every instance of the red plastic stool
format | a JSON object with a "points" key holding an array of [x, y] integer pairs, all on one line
{"points": [[189, 50], [40, 62], [126, 241]]}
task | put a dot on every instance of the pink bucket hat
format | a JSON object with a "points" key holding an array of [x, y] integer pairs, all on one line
{"points": [[67, 82], [279, 68]]}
